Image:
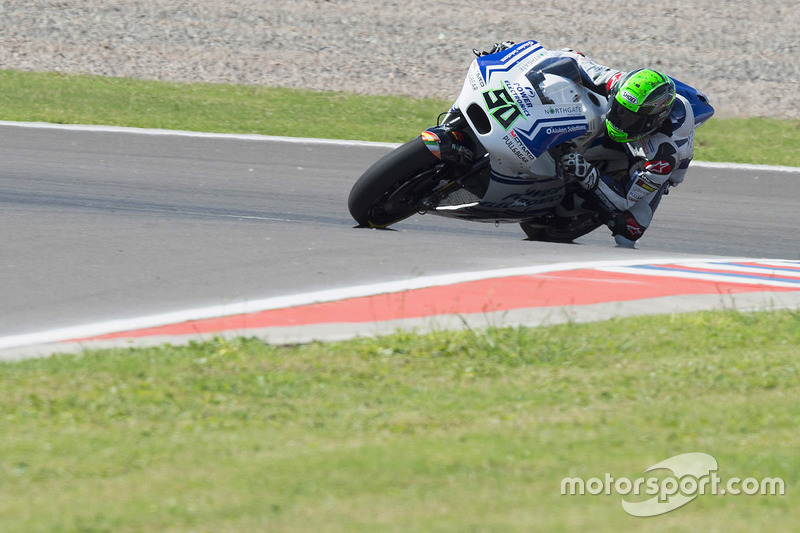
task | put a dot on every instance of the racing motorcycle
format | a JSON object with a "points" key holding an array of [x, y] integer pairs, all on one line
{"points": [[493, 157]]}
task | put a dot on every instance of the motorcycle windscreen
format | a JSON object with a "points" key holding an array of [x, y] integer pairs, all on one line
{"points": [[560, 117]]}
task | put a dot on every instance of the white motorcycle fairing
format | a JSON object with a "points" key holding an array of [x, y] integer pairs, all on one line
{"points": [[493, 157], [519, 103]]}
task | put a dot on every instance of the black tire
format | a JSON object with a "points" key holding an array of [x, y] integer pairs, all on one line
{"points": [[392, 189]]}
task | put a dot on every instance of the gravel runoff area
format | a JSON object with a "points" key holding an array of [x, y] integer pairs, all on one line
{"points": [[743, 55]]}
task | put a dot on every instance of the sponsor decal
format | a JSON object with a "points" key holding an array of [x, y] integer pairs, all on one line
{"points": [[518, 58], [613, 80], [518, 50], [530, 198], [634, 229], [629, 97], [563, 110], [474, 77], [526, 64], [558, 130], [525, 97], [546, 132], [515, 144], [431, 140], [649, 187], [502, 106], [658, 167]]}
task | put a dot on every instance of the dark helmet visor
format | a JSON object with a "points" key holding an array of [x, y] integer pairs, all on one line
{"points": [[632, 123]]}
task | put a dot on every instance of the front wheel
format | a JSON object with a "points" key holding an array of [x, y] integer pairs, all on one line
{"points": [[398, 185]]}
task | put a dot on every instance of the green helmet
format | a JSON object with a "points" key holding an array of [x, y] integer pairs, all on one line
{"points": [[640, 102]]}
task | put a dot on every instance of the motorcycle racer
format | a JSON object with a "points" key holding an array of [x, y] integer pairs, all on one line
{"points": [[645, 147], [656, 128], [546, 139]]}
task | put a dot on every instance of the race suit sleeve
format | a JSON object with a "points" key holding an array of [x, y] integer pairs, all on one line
{"points": [[649, 178], [659, 161], [599, 77]]}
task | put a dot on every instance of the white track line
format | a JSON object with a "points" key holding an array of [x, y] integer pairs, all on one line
{"points": [[703, 276], [197, 134], [294, 300], [743, 166], [306, 140], [89, 330]]}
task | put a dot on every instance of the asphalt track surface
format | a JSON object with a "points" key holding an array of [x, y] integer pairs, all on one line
{"points": [[106, 225]]}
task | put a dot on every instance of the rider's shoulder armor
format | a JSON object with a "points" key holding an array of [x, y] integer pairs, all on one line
{"points": [[682, 123], [669, 151], [595, 75]]}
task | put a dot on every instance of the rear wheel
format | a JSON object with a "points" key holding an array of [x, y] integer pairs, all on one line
{"points": [[401, 183]]}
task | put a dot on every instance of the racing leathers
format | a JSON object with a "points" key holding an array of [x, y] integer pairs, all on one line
{"points": [[624, 182]]}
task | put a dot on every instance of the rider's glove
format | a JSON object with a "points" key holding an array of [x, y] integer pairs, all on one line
{"points": [[498, 47], [573, 165]]}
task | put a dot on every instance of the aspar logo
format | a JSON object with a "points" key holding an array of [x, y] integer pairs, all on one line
{"points": [[658, 167], [693, 474]]}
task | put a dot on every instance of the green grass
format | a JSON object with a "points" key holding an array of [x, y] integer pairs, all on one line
{"points": [[453, 431], [57, 98], [749, 140], [26, 96]]}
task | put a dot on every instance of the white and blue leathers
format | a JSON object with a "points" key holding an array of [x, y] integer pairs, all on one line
{"points": [[635, 175]]}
